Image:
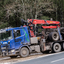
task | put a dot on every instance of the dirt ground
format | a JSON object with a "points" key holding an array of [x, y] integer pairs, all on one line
{"points": [[8, 60]]}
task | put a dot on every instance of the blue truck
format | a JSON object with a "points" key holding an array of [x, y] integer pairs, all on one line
{"points": [[17, 41]]}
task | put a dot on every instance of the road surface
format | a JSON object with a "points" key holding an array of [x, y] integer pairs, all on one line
{"points": [[57, 58], [8, 60]]}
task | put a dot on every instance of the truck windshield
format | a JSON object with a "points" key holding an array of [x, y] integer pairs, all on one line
{"points": [[6, 36]]}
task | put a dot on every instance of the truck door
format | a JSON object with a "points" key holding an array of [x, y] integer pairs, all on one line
{"points": [[18, 38]]}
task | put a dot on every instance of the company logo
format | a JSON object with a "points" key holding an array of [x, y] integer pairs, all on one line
{"points": [[34, 21], [26, 35], [51, 22]]}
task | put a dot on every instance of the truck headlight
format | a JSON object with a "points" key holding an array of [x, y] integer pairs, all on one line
{"points": [[12, 50]]}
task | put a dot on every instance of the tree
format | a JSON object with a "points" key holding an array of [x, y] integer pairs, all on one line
{"points": [[59, 9], [12, 11]]}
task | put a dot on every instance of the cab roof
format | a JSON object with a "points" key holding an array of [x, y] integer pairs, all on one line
{"points": [[9, 29]]}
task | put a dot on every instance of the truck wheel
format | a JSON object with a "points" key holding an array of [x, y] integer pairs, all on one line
{"points": [[54, 36], [24, 52], [56, 47]]}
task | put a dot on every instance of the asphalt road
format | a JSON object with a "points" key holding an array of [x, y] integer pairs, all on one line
{"points": [[57, 58]]}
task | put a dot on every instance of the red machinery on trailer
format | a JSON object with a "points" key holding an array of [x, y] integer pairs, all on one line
{"points": [[49, 26]]}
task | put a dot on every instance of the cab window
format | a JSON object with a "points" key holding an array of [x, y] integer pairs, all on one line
{"points": [[17, 33]]}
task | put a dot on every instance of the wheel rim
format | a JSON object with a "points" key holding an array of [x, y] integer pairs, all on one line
{"points": [[56, 47], [24, 52], [55, 36]]}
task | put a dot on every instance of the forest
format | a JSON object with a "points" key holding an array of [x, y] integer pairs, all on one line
{"points": [[12, 11]]}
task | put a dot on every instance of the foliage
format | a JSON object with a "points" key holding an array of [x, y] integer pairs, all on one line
{"points": [[12, 11]]}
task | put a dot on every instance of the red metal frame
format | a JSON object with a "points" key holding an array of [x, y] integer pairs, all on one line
{"points": [[49, 24], [48, 27]]}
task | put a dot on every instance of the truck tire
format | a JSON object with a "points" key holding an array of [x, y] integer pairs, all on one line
{"points": [[54, 36], [56, 47], [24, 52]]}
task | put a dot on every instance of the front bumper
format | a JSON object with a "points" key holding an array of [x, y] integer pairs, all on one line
{"points": [[6, 51], [10, 53]]}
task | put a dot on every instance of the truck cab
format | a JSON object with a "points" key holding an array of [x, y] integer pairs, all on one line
{"points": [[12, 40]]}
